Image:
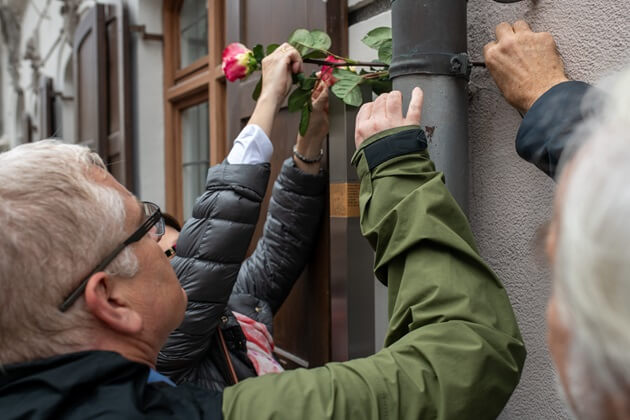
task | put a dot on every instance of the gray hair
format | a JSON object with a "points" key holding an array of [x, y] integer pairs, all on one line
{"points": [[57, 224], [592, 266]]}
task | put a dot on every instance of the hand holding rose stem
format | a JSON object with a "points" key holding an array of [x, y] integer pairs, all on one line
{"points": [[277, 69], [310, 144]]}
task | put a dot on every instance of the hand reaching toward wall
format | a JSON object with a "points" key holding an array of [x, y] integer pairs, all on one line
{"points": [[523, 63]]}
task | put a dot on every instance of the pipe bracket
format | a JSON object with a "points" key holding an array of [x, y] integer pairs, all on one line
{"points": [[445, 64]]}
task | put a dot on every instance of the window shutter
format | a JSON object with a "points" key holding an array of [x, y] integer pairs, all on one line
{"points": [[102, 81], [46, 109], [27, 129], [90, 81], [120, 156]]}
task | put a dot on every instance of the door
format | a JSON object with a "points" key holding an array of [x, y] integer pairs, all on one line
{"points": [[302, 326]]}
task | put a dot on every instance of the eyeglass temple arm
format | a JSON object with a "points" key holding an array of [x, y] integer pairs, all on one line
{"points": [[72, 297]]}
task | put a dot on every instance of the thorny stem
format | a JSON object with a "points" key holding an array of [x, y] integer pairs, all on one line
{"points": [[345, 63]]}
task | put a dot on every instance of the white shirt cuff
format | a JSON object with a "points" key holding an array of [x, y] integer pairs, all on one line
{"points": [[252, 146]]}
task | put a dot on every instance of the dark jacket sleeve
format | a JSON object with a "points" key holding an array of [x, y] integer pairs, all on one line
{"points": [[550, 122], [290, 231], [210, 250]]}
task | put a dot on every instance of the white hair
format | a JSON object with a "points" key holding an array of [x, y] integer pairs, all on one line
{"points": [[58, 223], [592, 265]]}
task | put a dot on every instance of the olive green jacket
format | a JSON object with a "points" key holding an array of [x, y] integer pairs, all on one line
{"points": [[453, 349]]}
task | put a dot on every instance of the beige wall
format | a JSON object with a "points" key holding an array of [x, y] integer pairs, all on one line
{"points": [[510, 199]]}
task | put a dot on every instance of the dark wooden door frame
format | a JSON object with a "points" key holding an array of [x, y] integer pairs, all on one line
{"points": [[313, 329]]}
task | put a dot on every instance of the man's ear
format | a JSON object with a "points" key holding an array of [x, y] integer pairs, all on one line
{"points": [[103, 303]]}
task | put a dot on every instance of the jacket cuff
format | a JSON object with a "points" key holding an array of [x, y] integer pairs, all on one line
{"points": [[548, 124], [253, 177], [390, 144], [300, 182]]}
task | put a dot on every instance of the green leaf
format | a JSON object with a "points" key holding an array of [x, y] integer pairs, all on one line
{"points": [[259, 53], [343, 74], [376, 37], [271, 48], [300, 39], [305, 118], [348, 91], [380, 86], [308, 83], [385, 52], [298, 99], [316, 54], [320, 40], [297, 78], [257, 89], [304, 40]]}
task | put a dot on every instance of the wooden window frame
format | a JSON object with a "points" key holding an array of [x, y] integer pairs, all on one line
{"points": [[201, 81]]}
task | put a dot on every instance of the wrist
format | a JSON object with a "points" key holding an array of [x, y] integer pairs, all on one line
{"points": [[269, 100], [541, 91], [308, 147]]}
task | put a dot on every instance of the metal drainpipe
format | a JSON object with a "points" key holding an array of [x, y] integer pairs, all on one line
{"points": [[430, 51]]}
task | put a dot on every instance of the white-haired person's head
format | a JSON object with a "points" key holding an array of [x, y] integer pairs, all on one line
{"points": [[589, 245], [62, 216]]}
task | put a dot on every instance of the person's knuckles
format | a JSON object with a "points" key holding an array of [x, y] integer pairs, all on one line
{"points": [[546, 39], [508, 44]]}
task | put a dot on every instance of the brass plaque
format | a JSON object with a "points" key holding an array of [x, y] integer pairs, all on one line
{"points": [[344, 200]]}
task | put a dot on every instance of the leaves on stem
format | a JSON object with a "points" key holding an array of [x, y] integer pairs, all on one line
{"points": [[380, 39], [316, 54], [259, 53], [347, 87], [304, 40], [298, 98], [380, 86], [257, 89], [376, 37], [385, 52], [271, 48], [305, 118]]}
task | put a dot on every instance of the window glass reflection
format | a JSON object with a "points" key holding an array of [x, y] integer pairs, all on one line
{"points": [[193, 26], [195, 154]]}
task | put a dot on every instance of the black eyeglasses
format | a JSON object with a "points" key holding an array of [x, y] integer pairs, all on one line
{"points": [[153, 225]]}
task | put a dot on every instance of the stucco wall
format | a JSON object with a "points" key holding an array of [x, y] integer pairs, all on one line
{"points": [[510, 199]]}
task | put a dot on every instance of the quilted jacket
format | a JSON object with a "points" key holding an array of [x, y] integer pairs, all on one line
{"points": [[209, 264]]}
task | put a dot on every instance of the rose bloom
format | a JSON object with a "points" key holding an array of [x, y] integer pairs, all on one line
{"points": [[327, 71], [238, 61]]}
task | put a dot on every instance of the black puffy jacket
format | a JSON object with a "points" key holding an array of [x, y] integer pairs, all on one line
{"points": [[209, 264]]}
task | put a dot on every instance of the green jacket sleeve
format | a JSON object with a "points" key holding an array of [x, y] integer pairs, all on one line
{"points": [[453, 349]]}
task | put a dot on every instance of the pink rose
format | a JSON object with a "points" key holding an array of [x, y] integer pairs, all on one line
{"points": [[327, 71], [238, 62]]}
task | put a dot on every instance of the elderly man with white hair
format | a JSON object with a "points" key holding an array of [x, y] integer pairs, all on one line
{"points": [[572, 132]]}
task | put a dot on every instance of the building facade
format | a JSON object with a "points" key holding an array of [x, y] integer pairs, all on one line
{"points": [[140, 82]]}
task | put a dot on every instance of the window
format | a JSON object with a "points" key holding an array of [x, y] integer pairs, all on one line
{"points": [[193, 31], [195, 160], [194, 89]]}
